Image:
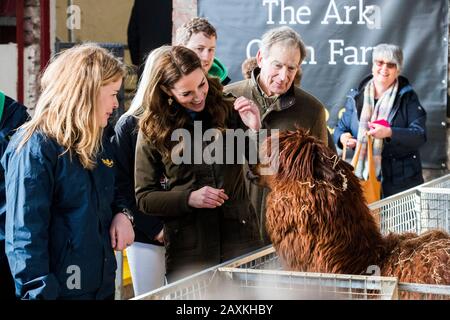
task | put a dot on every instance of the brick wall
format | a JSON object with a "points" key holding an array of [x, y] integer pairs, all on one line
{"points": [[32, 60], [183, 11]]}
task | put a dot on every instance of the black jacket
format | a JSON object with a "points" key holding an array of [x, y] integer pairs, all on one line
{"points": [[150, 27], [124, 141], [401, 166], [14, 115]]}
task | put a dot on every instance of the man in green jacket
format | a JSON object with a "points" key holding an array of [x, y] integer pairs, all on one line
{"points": [[282, 105], [200, 36]]}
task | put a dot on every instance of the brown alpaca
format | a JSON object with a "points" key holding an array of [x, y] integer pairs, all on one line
{"points": [[318, 220]]}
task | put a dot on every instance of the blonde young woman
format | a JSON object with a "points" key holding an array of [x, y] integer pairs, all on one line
{"points": [[60, 227], [146, 256]]}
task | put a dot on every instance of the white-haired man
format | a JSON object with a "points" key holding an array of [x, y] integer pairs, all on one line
{"points": [[283, 106]]}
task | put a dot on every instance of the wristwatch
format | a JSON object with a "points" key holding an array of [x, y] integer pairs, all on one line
{"points": [[127, 212]]}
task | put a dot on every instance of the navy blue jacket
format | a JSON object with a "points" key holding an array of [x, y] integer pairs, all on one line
{"points": [[14, 115], [401, 166], [57, 222], [124, 142]]}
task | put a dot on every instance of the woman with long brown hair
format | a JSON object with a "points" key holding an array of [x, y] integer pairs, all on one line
{"points": [[206, 213]]}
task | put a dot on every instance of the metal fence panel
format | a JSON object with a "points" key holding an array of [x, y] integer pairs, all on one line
{"points": [[417, 210], [259, 275]]}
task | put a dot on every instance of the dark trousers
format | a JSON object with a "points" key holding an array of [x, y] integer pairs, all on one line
{"points": [[7, 290]]}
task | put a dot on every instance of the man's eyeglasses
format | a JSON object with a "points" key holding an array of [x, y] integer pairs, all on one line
{"points": [[389, 65]]}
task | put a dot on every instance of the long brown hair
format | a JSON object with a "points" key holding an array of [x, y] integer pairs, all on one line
{"points": [[160, 118]]}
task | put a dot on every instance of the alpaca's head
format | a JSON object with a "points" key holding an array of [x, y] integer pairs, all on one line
{"points": [[301, 157], [316, 215]]}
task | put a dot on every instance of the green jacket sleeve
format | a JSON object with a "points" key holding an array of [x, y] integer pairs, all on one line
{"points": [[151, 198]]}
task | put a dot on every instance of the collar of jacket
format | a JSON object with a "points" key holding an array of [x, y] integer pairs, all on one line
{"points": [[403, 87], [192, 114], [218, 70], [9, 110], [286, 100]]}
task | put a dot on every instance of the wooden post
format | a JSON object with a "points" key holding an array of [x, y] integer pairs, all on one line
{"points": [[20, 47], [45, 32]]}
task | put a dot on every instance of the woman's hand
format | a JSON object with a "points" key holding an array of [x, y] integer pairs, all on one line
{"points": [[249, 112], [160, 236], [207, 197], [348, 140], [121, 232], [379, 131]]}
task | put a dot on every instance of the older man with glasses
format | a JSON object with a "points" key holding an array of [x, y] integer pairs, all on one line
{"points": [[282, 105]]}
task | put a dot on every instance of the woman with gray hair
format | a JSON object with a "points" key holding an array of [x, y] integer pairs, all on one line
{"points": [[386, 107]]}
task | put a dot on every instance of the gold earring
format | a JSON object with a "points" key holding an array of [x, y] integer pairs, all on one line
{"points": [[170, 100]]}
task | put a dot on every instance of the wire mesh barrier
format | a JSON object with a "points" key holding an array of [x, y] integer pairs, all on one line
{"points": [[417, 210], [260, 275], [251, 284], [267, 259], [263, 259], [419, 291]]}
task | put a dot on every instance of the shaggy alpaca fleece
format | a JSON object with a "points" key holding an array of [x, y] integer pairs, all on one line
{"points": [[318, 220]]}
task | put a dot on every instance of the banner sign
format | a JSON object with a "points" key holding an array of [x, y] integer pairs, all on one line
{"points": [[340, 36]]}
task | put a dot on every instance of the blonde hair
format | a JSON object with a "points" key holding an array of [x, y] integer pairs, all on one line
{"points": [[66, 108], [136, 109]]}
